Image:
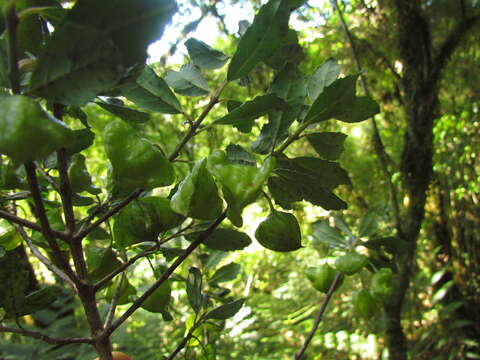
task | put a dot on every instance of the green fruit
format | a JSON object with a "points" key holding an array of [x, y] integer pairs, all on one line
{"points": [[27, 132], [350, 263], [143, 220], [382, 283], [321, 277], [158, 301], [279, 232], [365, 304]]}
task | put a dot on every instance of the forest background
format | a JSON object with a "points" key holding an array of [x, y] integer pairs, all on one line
{"points": [[413, 194]]}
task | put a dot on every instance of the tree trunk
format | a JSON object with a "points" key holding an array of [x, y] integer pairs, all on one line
{"points": [[421, 77]]}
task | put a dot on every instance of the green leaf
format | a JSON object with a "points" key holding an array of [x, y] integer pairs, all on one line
{"points": [[360, 109], [243, 25], [197, 194], [80, 200], [310, 179], [101, 262], [283, 193], [14, 280], [194, 289], [290, 85], [83, 139], [129, 115], [324, 233], [151, 92], [87, 54], [127, 291], [225, 311], [188, 81], [227, 240], [226, 273], [390, 244], [342, 225], [289, 52], [252, 110], [40, 299], [264, 36], [238, 155], [204, 56], [368, 224], [333, 100], [9, 237], [326, 74], [328, 145]]}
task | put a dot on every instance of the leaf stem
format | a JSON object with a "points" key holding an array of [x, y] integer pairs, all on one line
{"points": [[193, 128], [82, 233], [138, 303]]}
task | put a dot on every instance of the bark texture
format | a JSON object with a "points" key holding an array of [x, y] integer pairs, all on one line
{"points": [[422, 73]]}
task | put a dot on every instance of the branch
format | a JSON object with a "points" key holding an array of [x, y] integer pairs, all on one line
{"points": [[114, 302], [44, 260], [101, 283], [450, 45], [82, 233], [42, 216], [193, 128], [19, 221], [377, 139], [318, 319], [183, 342], [137, 303], [45, 338], [151, 250]]}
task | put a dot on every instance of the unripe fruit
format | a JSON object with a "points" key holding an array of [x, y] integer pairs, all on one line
{"points": [[382, 283], [365, 304], [350, 263], [279, 232], [321, 277]]}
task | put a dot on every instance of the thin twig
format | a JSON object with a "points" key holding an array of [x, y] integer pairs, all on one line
{"points": [[45, 338], [182, 344], [82, 233], [321, 311], [151, 250], [19, 221], [114, 302], [293, 137], [193, 128], [377, 139], [49, 179], [137, 303], [28, 224], [43, 259]]}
